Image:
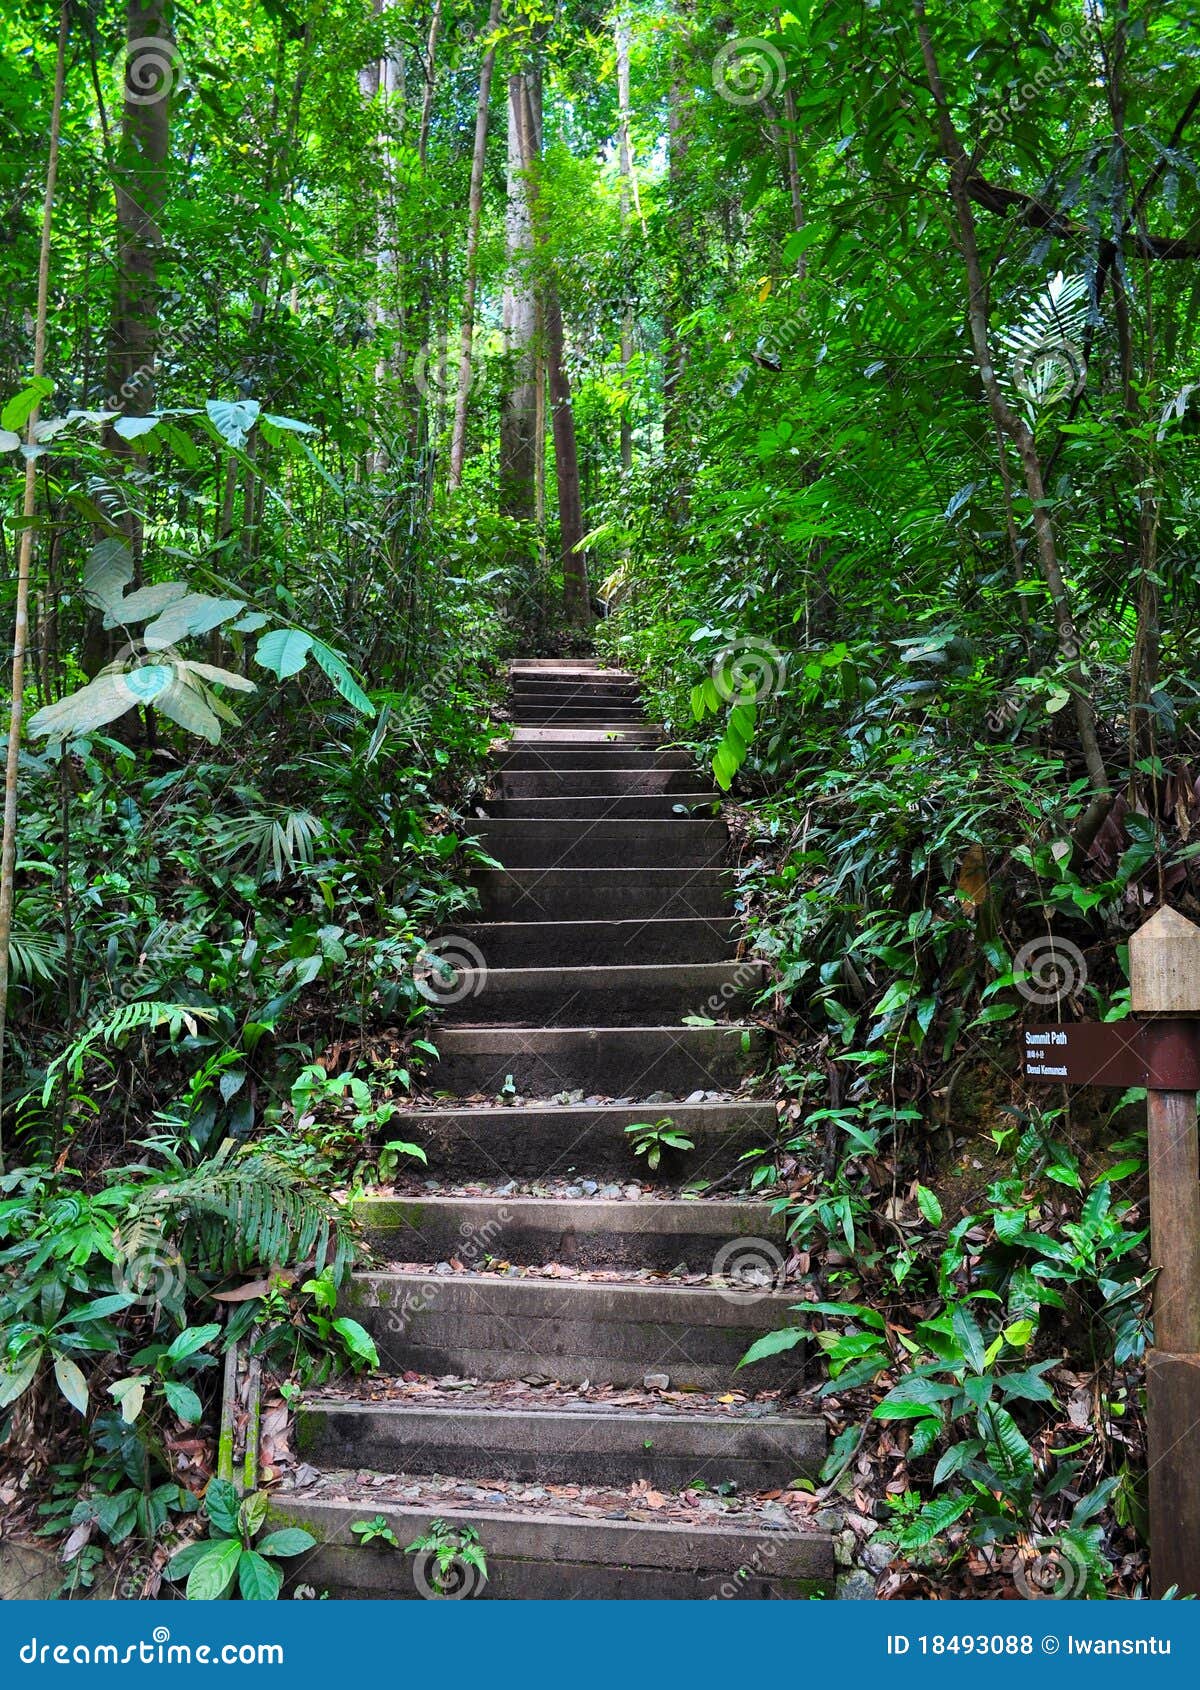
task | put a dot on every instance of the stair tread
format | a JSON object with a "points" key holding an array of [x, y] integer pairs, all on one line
{"points": [[452, 1394], [685, 1512]]}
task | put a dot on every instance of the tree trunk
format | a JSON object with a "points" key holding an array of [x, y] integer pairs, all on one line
{"points": [[518, 412], [141, 181], [628, 195], [435, 30], [8, 846], [458, 438]]}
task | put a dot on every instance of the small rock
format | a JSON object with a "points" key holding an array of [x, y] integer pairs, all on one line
{"points": [[877, 1557], [535, 1493], [845, 1547], [589, 1187], [443, 1267], [857, 1586], [633, 1192], [660, 1097], [573, 1191], [695, 1097], [504, 1190], [657, 1382], [610, 1192]]}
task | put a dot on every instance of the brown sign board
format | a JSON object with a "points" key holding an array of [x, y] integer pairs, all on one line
{"points": [[1162, 1055]]}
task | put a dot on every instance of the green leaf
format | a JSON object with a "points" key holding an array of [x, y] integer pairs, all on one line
{"points": [[357, 1340], [71, 1383], [183, 1400], [107, 573], [258, 1580], [233, 419], [929, 1205], [18, 1374], [183, 1560], [191, 1339], [968, 1336], [221, 1504], [283, 651], [289, 1540], [214, 1571], [340, 674], [773, 1344], [131, 1394], [194, 613], [19, 408]]}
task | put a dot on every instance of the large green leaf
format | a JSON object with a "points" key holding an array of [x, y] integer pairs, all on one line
{"points": [[288, 1540], [283, 651], [214, 1571], [233, 419], [195, 613], [258, 1580], [339, 673], [145, 602], [17, 1375], [221, 1504], [71, 1383], [107, 573]]}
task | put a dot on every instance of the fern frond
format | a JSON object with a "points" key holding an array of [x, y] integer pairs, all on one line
{"points": [[116, 1026], [248, 1208]]}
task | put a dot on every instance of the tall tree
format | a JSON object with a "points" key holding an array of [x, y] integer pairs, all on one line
{"points": [[458, 438], [519, 404]]}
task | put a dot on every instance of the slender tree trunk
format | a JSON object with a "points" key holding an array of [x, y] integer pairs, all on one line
{"points": [[458, 438], [1008, 420], [518, 414], [8, 846], [576, 599], [628, 193], [435, 30]]}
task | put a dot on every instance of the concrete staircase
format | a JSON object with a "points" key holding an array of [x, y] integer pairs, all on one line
{"points": [[559, 1370]]}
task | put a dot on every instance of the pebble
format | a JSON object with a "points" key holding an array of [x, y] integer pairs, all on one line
{"points": [[657, 1382], [695, 1097], [660, 1097], [633, 1192], [573, 1191], [857, 1586], [503, 1190], [610, 1192], [589, 1187]]}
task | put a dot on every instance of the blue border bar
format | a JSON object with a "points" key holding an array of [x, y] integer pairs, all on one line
{"points": [[605, 1645]]}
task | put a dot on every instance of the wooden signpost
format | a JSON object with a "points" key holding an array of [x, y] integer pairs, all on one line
{"points": [[1161, 1051]]}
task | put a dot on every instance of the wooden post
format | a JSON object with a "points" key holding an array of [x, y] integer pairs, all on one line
{"points": [[1164, 973]]}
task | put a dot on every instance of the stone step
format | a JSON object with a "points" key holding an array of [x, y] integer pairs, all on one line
{"points": [[534, 843], [530, 944], [492, 1326], [536, 1554], [612, 995], [547, 758], [578, 738], [566, 666], [523, 1141], [544, 693], [578, 1445], [659, 1233], [587, 704], [563, 894], [588, 718], [600, 1061], [650, 806], [583, 783]]}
